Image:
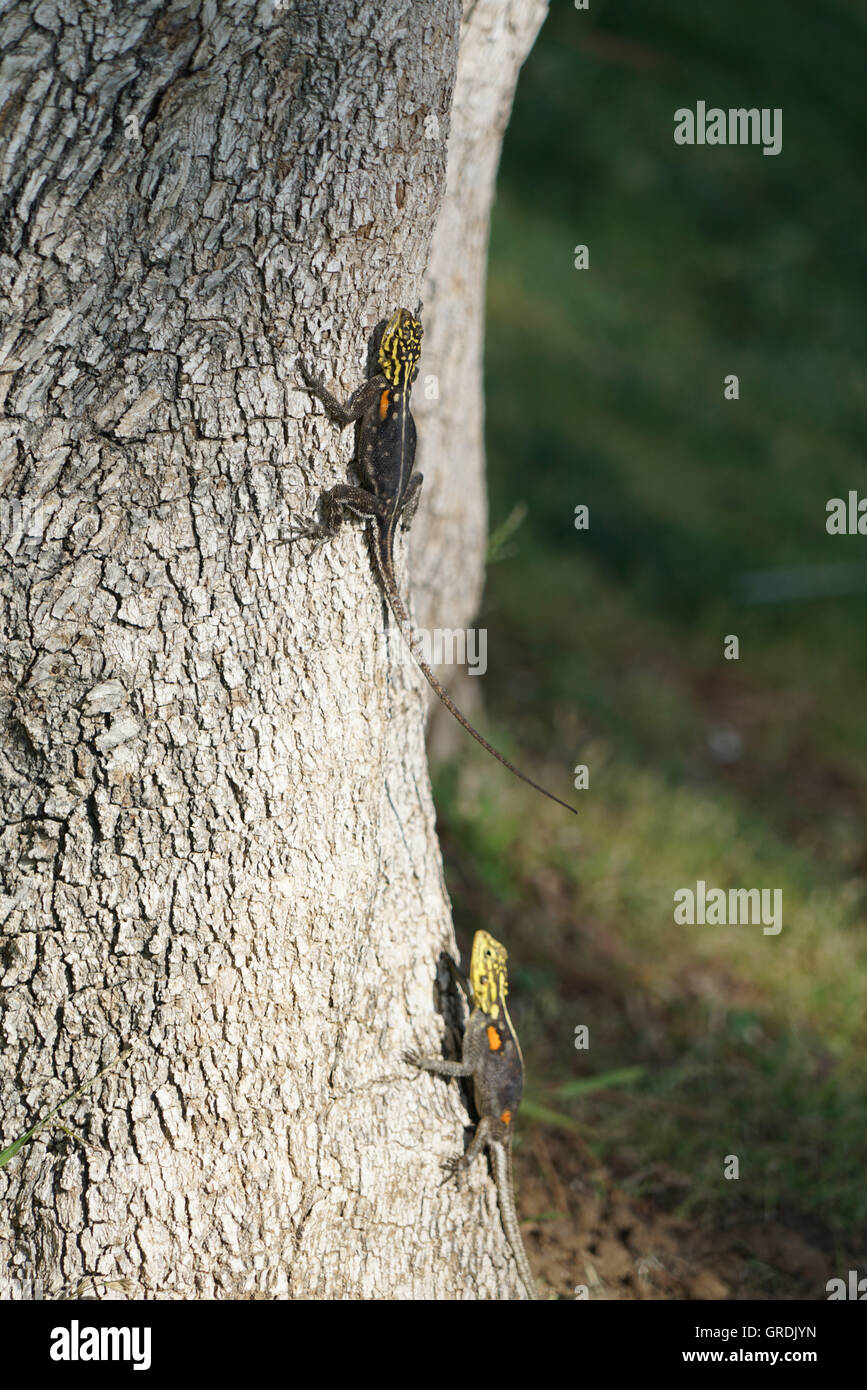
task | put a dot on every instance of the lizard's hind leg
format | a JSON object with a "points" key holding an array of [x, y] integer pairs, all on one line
{"points": [[411, 499], [336, 502], [346, 498]]}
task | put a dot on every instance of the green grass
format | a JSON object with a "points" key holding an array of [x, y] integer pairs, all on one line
{"points": [[7, 1154], [605, 647]]}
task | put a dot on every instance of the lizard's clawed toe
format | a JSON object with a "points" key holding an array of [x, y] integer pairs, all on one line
{"points": [[452, 1167]]}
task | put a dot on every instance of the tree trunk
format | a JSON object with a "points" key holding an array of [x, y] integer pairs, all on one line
{"points": [[450, 533], [219, 840]]}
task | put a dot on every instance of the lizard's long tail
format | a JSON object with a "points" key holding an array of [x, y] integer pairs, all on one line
{"points": [[396, 604], [502, 1159]]}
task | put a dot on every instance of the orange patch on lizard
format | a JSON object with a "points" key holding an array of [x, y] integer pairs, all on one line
{"points": [[506, 1117], [383, 405], [495, 1042]]}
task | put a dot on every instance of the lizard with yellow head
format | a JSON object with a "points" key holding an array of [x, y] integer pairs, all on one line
{"points": [[491, 1056]]}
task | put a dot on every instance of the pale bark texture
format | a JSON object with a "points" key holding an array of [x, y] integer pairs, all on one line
{"points": [[218, 839], [450, 534]]}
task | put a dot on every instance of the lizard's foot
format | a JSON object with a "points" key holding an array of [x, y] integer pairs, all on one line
{"points": [[309, 378], [325, 530], [412, 1059], [453, 1166], [342, 414], [309, 530]]}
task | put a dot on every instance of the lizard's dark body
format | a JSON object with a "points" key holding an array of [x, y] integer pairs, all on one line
{"points": [[384, 459], [491, 1056]]}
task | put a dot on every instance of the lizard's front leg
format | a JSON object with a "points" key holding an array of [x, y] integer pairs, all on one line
{"points": [[344, 412], [437, 1065]]}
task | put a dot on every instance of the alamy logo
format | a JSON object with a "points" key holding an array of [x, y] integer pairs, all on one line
{"points": [[738, 125], [75, 1343], [446, 646], [740, 907], [855, 1288], [846, 518], [20, 517]]}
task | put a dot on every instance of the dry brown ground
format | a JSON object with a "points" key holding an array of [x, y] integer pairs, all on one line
{"points": [[622, 1247]]}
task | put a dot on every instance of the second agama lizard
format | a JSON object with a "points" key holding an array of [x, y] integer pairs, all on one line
{"points": [[491, 1055]]}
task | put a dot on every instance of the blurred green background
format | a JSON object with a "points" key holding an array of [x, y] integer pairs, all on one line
{"points": [[605, 387]]}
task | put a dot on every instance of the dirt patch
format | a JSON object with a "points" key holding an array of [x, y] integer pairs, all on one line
{"points": [[587, 1238]]}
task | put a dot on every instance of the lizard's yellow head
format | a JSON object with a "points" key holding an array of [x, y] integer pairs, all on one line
{"points": [[488, 974], [400, 348]]}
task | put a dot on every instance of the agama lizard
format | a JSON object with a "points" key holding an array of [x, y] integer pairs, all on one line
{"points": [[385, 453], [491, 1055]]}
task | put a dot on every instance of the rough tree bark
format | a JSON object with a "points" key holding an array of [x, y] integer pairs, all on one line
{"points": [[450, 532], [218, 836]]}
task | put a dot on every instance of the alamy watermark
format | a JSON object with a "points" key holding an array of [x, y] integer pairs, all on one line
{"points": [[846, 517], [739, 907], [446, 646], [20, 517], [77, 1343], [852, 1288], [738, 125]]}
